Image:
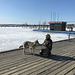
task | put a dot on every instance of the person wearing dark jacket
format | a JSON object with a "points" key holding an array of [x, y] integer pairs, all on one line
{"points": [[48, 46]]}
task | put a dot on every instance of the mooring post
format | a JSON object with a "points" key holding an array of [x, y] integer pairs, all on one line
{"points": [[69, 35]]}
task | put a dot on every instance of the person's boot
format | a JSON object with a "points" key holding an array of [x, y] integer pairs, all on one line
{"points": [[48, 54], [40, 53]]}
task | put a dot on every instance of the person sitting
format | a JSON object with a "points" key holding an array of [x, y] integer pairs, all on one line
{"points": [[48, 46]]}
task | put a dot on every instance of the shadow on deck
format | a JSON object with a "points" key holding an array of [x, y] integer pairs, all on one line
{"points": [[57, 57]]}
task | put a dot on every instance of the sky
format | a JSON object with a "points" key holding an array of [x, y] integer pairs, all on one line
{"points": [[35, 11]]}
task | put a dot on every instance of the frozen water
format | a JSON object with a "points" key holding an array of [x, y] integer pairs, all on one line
{"points": [[13, 37]]}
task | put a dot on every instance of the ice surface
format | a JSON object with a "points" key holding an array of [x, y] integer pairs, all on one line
{"points": [[13, 37]]}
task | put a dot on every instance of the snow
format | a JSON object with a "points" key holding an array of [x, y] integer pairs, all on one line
{"points": [[13, 37]]}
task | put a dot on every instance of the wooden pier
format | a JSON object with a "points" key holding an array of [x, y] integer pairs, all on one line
{"points": [[61, 62]]}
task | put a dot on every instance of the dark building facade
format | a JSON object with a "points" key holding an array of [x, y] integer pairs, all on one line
{"points": [[58, 26]]}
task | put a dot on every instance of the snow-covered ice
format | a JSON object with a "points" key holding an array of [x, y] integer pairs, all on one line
{"points": [[13, 37]]}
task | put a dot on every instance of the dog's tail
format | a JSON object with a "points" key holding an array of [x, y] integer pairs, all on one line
{"points": [[21, 47]]}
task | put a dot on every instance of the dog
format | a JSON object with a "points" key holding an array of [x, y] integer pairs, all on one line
{"points": [[30, 45]]}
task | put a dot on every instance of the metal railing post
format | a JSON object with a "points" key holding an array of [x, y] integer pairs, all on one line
{"points": [[69, 35]]}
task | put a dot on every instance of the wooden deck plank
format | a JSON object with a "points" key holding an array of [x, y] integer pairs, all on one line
{"points": [[47, 67], [63, 72], [9, 62], [61, 62], [22, 63], [71, 72], [40, 67], [61, 67], [24, 67]]}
